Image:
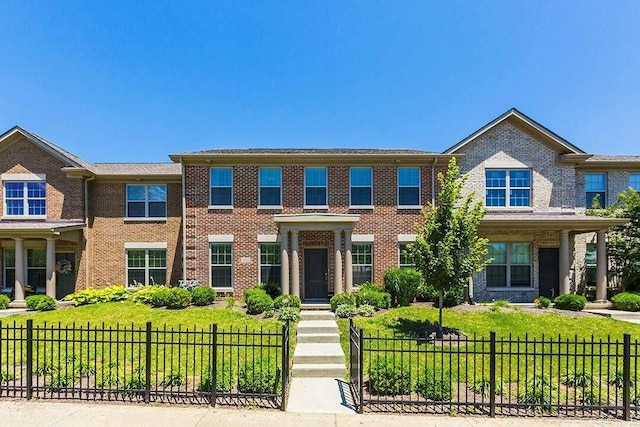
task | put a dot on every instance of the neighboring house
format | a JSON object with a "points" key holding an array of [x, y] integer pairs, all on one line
{"points": [[317, 222]]}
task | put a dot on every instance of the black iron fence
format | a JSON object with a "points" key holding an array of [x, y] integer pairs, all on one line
{"points": [[550, 376], [236, 366]]}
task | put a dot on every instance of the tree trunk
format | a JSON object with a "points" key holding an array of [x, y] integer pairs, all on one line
{"points": [[440, 303]]}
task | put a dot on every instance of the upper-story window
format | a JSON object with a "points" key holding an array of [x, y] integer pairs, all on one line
{"points": [[221, 181], [409, 187], [634, 181], [270, 182], [315, 187], [596, 189], [508, 188], [361, 187], [146, 201], [27, 198]]}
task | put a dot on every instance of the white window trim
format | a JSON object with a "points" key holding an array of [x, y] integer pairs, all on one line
{"points": [[326, 189], [268, 238], [221, 238], [25, 178], [398, 186], [508, 266], [507, 187], [145, 245], [146, 201], [351, 205], [211, 187], [260, 186], [148, 247], [362, 238], [221, 288]]}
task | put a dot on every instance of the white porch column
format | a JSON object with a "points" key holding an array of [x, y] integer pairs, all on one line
{"points": [[337, 270], [295, 264], [51, 272], [19, 282], [601, 267], [565, 263], [284, 272], [348, 270]]}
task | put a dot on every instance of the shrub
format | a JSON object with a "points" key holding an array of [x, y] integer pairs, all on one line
{"points": [[626, 301], [289, 314], [426, 292], [144, 294], [389, 376], [434, 387], [258, 376], [94, 296], [178, 298], [247, 293], [258, 302], [61, 380], [538, 390], [272, 289], [577, 379], [542, 302], [286, 301], [365, 310], [40, 303], [345, 311], [4, 302], [229, 302], [224, 379], [571, 302], [134, 383], [377, 299], [370, 286], [341, 299], [203, 295], [174, 378], [483, 386], [402, 284], [161, 297]]}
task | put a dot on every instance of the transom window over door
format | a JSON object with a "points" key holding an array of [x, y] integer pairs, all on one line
{"points": [[596, 189], [221, 180], [511, 265], [270, 183], [315, 187], [146, 267], [25, 198], [221, 265], [508, 188], [362, 263], [409, 187], [361, 187], [146, 201]]}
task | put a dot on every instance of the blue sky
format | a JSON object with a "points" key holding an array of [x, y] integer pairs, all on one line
{"points": [[121, 81]]}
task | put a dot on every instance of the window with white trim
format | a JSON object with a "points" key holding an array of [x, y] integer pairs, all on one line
{"points": [[221, 264], [362, 263], [37, 269], [596, 189], [404, 260], [634, 181], [221, 181], [315, 187], [508, 187], [360, 187], [270, 186], [9, 268], [270, 263], [25, 198], [511, 265], [146, 201], [409, 187], [146, 267]]}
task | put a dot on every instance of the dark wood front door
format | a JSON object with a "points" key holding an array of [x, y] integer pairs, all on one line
{"points": [[548, 272], [315, 274], [65, 274]]}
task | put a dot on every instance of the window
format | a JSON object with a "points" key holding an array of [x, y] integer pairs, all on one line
{"points": [[9, 268], [221, 180], [360, 187], [511, 265], [270, 187], [221, 265], [147, 266], [146, 201], [634, 181], [595, 185], [590, 264], [270, 263], [403, 259], [408, 186], [508, 188], [25, 198], [315, 187], [362, 263], [36, 269]]}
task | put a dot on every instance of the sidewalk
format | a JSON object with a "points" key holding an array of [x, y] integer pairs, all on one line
{"points": [[21, 413]]}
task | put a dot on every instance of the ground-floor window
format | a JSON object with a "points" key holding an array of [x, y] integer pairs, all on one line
{"points": [[270, 263], [590, 264], [511, 265], [9, 268], [37, 269], [221, 265], [403, 256], [146, 266], [362, 263]]}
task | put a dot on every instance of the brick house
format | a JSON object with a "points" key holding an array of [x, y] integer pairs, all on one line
{"points": [[317, 222]]}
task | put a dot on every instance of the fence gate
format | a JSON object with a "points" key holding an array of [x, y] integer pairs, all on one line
{"points": [[355, 365]]}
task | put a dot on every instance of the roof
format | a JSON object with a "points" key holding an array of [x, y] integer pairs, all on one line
{"points": [[603, 158], [525, 122], [305, 151], [549, 221], [137, 169], [40, 227]]}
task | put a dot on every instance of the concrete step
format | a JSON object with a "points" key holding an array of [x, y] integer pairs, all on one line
{"points": [[320, 370], [318, 338], [314, 353], [317, 315], [315, 306], [317, 327]]}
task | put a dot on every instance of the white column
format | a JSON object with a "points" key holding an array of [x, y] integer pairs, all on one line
{"points": [[51, 271], [601, 267], [295, 264], [348, 270], [19, 282], [337, 270], [284, 272], [565, 263]]}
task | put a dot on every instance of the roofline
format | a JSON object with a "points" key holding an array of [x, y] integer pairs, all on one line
{"points": [[610, 164], [318, 158], [572, 223], [523, 118], [40, 143]]}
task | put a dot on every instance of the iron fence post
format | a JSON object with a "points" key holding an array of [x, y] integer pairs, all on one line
{"points": [[29, 358], [147, 363], [285, 365], [626, 375], [214, 363], [360, 375], [492, 374]]}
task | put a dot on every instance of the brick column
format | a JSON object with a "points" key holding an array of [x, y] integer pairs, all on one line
{"points": [[337, 245], [565, 263], [601, 267], [284, 272], [51, 271], [348, 269], [295, 264]]}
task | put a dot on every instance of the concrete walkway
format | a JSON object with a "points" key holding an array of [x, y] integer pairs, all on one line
{"points": [[22, 413], [627, 316]]}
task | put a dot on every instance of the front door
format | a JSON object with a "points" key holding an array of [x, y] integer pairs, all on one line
{"points": [[65, 274], [548, 272], [315, 274]]}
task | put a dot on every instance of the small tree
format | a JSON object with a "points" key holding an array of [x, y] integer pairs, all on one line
{"points": [[447, 250]]}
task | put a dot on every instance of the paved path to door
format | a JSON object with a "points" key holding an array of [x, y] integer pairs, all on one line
{"points": [[627, 316]]}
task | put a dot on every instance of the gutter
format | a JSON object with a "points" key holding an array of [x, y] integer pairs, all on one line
{"points": [[87, 229]]}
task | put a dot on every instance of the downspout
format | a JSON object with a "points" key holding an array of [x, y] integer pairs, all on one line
{"points": [[87, 229], [433, 181], [184, 225]]}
